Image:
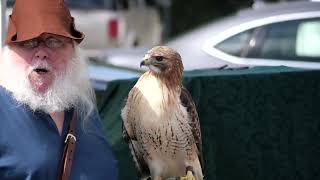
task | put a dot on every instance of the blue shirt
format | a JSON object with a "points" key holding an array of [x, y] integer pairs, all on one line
{"points": [[31, 146]]}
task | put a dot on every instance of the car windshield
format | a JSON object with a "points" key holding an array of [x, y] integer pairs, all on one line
{"points": [[83, 4]]}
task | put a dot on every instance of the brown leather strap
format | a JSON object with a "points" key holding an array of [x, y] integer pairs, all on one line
{"points": [[68, 152]]}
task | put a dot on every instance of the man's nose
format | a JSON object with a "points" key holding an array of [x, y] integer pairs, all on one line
{"points": [[41, 53]]}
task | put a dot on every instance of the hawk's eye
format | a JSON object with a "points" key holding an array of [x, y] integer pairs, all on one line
{"points": [[159, 58]]}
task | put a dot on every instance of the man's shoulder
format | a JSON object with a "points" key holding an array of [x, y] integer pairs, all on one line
{"points": [[92, 120], [9, 105], [4, 94]]}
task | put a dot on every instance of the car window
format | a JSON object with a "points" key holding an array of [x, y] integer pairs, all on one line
{"points": [[235, 44], [279, 41], [10, 3], [83, 4], [90, 4], [308, 39], [291, 40]]}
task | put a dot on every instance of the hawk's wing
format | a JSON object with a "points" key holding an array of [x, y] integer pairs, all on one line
{"points": [[141, 165], [187, 101]]}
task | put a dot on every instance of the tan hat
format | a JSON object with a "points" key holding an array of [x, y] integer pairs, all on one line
{"points": [[31, 18]]}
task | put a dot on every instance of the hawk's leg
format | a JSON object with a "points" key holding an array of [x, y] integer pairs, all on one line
{"points": [[189, 175]]}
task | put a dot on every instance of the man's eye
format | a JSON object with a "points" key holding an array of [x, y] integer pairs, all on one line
{"points": [[159, 58], [29, 44], [54, 43]]}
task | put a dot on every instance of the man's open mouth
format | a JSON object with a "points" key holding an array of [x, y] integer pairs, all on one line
{"points": [[41, 70]]}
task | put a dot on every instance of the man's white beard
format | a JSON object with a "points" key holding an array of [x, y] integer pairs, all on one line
{"points": [[70, 88]]}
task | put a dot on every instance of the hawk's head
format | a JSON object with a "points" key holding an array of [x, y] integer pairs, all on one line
{"points": [[163, 60]]}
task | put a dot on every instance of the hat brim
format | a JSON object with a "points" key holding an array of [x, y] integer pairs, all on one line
{"points": [[13, 36]]}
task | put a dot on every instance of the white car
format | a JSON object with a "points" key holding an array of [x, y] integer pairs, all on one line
{"points": [[283, 34]]}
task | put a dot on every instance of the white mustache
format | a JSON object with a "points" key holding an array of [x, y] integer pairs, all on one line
{"points": [[40, 64]]}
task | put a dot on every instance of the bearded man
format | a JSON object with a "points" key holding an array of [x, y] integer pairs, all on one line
{"points": [[46, 100]]}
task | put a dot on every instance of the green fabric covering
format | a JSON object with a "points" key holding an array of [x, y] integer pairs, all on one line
{"points": [[257, 124]]}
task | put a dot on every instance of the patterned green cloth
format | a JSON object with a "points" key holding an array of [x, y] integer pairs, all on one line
{"points": [[257, 124]]}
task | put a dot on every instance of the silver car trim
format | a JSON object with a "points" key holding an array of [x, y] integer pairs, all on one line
{"points": [[263, 62]]}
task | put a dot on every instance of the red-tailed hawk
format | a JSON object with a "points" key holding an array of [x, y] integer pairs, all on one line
{"points": [[160, 121]]}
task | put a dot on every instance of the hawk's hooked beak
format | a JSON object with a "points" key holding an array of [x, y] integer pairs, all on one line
{"points": [[142, 63], [146, 60]]}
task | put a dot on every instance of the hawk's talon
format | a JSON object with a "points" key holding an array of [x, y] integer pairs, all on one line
{"points": [[189, 168], [157, 178], [189, 176]]}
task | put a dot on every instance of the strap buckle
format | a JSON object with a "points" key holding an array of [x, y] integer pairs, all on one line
{"points": [[69, 135]]}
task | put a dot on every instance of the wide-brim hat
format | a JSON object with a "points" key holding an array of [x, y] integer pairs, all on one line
{"points": [[31, 18]]}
